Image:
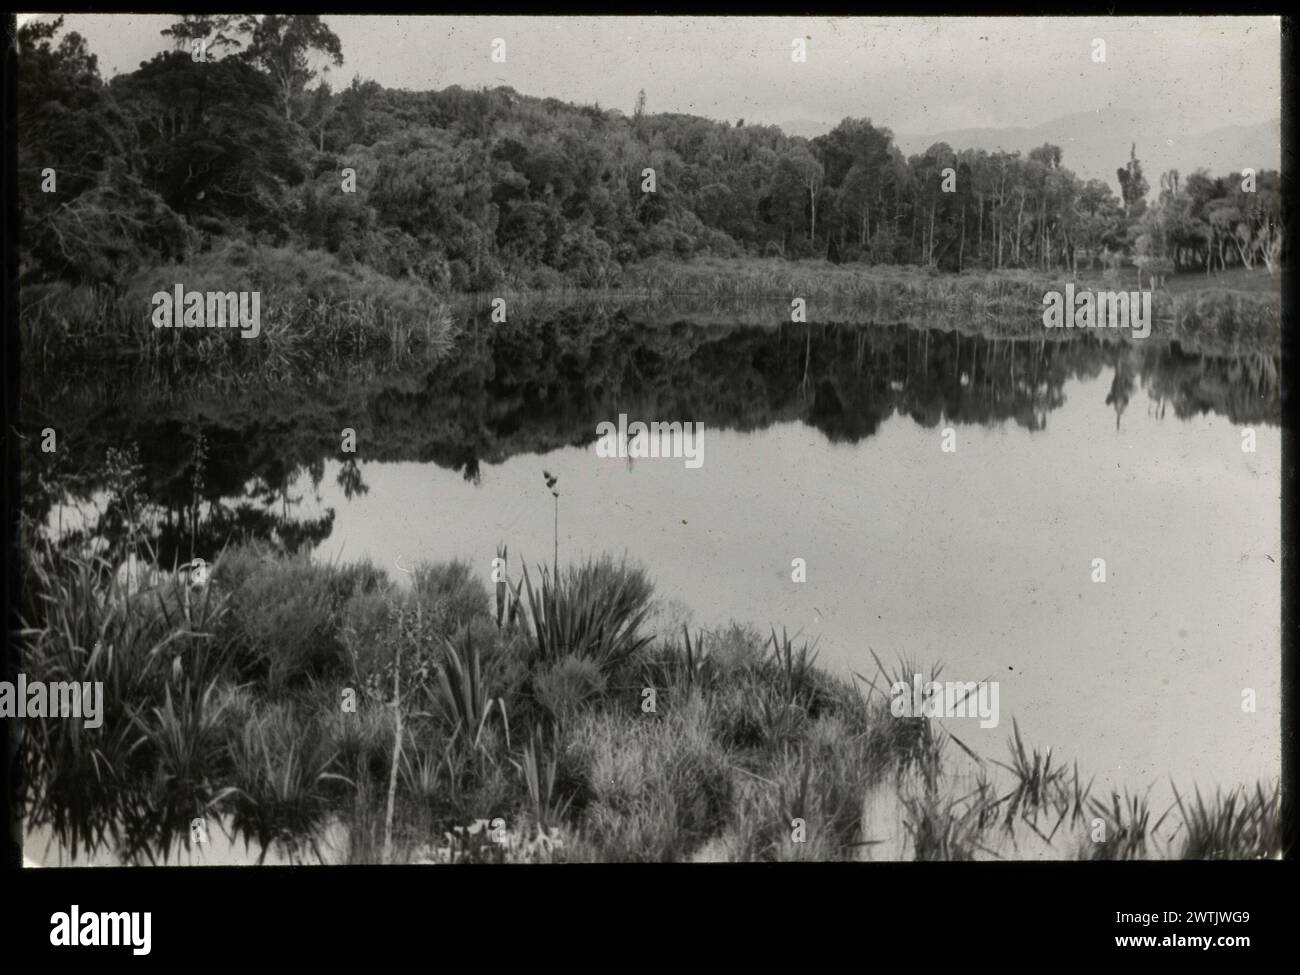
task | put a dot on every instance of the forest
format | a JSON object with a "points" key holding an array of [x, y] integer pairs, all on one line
{"points": [[232, 135]]}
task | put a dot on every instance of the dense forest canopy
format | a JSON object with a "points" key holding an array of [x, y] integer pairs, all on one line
{"points": [[235, 135]]}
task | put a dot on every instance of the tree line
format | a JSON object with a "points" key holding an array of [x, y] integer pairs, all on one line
{"points": [[234, 133]]}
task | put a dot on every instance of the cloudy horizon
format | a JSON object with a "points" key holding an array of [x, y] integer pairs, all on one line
{"points": [[918, 75]]}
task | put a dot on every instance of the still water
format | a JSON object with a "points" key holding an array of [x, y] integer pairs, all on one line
{"points": [[980, 559], [827, 448]]}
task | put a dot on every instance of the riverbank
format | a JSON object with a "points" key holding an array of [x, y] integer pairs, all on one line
{"points": [[539, 721], [316, 308], [313, 308], [1228, 310]]}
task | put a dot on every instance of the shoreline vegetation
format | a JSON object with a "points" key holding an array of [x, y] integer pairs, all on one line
{"points": [[316, 309], [363, 215], [524, 732]]}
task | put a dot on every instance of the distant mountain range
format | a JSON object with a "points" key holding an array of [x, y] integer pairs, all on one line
{"points": [[1095, 144]]}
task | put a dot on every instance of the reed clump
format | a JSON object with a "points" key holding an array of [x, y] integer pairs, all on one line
{"points": [[313, 309], [542, 721]]}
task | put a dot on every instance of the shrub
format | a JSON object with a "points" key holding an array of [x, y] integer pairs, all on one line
{"points": [[566, 685], [449, 594], [659, 788], [285, 613], [368, 633]]}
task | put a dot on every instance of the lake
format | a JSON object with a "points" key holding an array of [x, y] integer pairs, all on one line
{"points": [[825, 446]]}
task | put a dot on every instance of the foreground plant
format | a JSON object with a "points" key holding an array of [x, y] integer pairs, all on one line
{"points": [[1128, 829], [755, 753], [539, 771], [575, 615], [464, 695], [1037, 782], [1237, 826], [283, 771]]}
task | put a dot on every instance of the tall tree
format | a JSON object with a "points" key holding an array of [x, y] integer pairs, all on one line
{"points": [[1133, 185], [283, 45], [220, 33]]}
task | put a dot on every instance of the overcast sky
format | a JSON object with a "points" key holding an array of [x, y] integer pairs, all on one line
{"points": [[917, 75]]}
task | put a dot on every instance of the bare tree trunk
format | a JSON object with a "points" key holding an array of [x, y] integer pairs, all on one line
{"points": [[1020, 218], [961, 248], [999, 230], [1271, 249]]}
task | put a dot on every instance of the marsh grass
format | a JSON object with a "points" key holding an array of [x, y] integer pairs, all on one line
{"points": [[1037, 783], [912, 742], [539, 725], [284, 771], [1129, 833], [363, 741], [1071, 802], [793, 668], [186, 736], [1008, 301], [313, 310], [539, 765], [692, 668], [1236, 825], [316, 312], [658, 788], [943, 827], [120, 782], [806, 801]]}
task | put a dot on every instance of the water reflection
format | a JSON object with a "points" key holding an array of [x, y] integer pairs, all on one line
{"points": [[823, 444], [214, 465]]}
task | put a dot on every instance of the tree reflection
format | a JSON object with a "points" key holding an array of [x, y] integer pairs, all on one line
{"points": [[229, 462]]}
